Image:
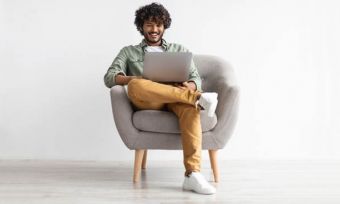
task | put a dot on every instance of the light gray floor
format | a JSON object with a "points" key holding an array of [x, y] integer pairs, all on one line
{"points": [[242, 182]]}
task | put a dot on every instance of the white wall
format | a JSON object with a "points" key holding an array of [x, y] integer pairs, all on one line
{"points": [[54, 105]]}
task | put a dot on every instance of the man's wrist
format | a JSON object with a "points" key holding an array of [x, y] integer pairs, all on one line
{"points": [[122, 79]]}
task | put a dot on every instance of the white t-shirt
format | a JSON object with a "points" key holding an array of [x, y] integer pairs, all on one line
{"points": [[154, 49]]}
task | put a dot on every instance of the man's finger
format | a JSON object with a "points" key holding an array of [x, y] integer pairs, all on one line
{"points": [[186, 84], [181, 87]]}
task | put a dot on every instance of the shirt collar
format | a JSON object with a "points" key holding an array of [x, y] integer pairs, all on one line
{"points": [[164, 44]]}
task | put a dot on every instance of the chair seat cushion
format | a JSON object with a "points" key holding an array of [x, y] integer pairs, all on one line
{"points": [[166, 122]]}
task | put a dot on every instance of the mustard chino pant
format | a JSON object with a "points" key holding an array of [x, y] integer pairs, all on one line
{"points": [[146, 94]]}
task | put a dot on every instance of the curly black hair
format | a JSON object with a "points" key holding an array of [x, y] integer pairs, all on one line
{"points": [[153, 12]]}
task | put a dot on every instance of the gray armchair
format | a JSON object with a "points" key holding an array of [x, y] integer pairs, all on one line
{"points": [[138, 132]]}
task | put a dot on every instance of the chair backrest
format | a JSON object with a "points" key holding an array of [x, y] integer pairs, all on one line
{"points": [[213, 69]]}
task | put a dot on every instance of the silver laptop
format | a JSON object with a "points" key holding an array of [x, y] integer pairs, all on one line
{"points": [[167, 66]]}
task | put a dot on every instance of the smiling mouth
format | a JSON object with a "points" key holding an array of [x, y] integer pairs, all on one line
{"points": [[154, 35]]}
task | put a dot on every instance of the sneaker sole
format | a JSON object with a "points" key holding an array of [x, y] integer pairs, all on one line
{"points": [[192, 190]]}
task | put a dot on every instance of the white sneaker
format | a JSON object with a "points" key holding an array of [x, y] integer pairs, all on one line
{"points": [[197, 183], [209, 102]]}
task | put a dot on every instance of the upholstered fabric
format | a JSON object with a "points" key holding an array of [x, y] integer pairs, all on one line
{"points": [[217, 76], [166, 122]]}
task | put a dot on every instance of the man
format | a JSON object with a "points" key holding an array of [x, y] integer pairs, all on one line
{"points": [[185, 99]]}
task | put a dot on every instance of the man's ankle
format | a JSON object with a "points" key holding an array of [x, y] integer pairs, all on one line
{"points": [[188, 173]]}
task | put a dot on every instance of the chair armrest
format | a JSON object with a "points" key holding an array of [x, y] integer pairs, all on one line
{"points": [[226, 111], [122, 113]]}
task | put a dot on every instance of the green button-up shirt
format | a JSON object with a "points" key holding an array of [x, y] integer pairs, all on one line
{"points": [[130, 60]]}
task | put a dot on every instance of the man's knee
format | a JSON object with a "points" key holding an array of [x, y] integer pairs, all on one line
{"points": [[135, 88], [134, 85]]}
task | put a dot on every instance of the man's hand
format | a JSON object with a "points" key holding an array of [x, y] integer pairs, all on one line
{"points": [[124, 80], [190, 85], [187, 85]]}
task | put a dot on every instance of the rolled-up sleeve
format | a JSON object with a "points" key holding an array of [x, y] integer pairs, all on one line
{"points": [[195, 77], [118, 66]]}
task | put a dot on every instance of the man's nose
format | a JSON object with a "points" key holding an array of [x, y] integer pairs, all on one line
{"points": [[154, 28]]}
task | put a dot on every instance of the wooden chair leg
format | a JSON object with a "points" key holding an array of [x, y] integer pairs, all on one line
{"points": [[144, 159], [138, 164], [213, 163]]}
